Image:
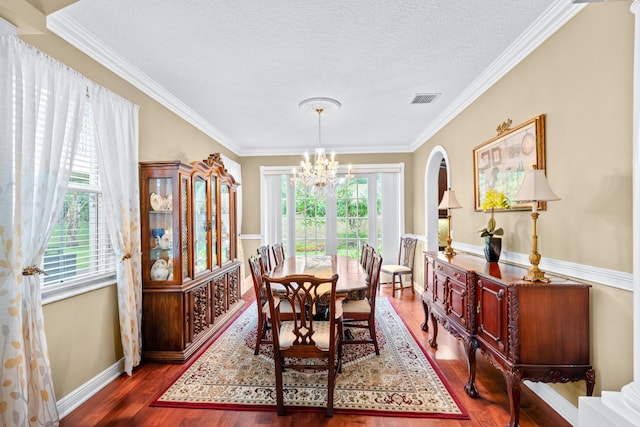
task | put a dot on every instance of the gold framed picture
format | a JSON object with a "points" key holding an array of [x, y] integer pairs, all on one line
{"points": [[500, 162]]}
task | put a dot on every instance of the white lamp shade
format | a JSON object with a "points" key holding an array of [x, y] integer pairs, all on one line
{"points": [[449, 200], [535, 188]]}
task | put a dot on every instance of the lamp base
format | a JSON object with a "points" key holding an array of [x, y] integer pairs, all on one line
{"points": [[536, 275], [448, 251]]}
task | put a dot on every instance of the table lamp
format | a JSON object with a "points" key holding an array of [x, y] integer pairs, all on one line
{"points": [[534, 189], [448, 202]]}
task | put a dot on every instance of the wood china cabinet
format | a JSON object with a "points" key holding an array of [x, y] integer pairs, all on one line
{"points": [[536, 331], [190, 271]]}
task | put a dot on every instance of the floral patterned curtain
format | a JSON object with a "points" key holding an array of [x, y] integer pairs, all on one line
{"points": [[41, 102]]}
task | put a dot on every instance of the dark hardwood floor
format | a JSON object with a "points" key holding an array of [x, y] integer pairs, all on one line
{"points": [[125, 401]]}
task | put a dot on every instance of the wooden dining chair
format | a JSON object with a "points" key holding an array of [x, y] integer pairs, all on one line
{"points": [[314, 332], [361, 313], [404, 267], [265, 259], [278, 253], [255, 265]]}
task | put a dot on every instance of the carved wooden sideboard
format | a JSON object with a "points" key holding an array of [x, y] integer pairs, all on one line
{"points": [[190, 271], [534, 331]]}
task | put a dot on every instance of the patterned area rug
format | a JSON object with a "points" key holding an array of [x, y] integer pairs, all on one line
{"points": [[401, 381]]}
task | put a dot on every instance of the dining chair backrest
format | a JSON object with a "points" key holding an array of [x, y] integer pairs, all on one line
{"points": [[278, 253], [313, 300], [374, 279], [255, 265], [407, 251], [265, 260], [367, 257], [364, 254]]}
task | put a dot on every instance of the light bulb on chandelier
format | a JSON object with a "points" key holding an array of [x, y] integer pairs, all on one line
{"points": [[321, 174]]}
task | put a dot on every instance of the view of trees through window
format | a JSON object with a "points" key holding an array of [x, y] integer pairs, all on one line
{"points": [[79, 245], [345, 220]]}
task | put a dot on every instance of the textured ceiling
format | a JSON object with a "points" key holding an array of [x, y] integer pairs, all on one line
{"points": [[238, 68]]}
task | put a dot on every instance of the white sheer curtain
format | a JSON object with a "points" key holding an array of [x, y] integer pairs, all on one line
{"points": [[117, 140], [41, 102]]}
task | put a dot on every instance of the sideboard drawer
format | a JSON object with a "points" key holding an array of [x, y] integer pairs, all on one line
{"points": [[451, 272]]}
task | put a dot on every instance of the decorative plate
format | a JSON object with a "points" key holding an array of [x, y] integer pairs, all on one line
{"points": [[160, 270], [156, 201]]}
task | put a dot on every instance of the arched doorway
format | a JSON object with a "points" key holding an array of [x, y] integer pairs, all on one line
{"points": [[436, 179]]}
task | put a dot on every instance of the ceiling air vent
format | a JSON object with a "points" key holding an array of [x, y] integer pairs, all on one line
{"points": [[424, 98]]}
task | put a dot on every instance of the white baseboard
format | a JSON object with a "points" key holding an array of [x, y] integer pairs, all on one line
{"points": [[554, 399], [71, 401]]}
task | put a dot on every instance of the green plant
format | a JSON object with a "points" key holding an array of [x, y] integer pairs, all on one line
{"points": [[493, 200]]}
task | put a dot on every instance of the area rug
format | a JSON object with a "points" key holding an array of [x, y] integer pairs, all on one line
{"points": [[401, 381]]}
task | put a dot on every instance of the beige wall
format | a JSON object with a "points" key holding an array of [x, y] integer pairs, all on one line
{"points": [[581, 78], [83, 334]]}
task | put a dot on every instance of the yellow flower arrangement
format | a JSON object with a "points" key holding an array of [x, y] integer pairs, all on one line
{"points": [[493, 200]]}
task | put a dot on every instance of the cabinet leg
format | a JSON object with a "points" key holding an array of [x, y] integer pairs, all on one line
{"points": [[425, 325], [514, 379], [591, 381], [470, 387], [433, 342]]}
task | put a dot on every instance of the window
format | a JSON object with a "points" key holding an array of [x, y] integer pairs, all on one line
{"points": [[310, 222], [79, 249], [358, 214]]}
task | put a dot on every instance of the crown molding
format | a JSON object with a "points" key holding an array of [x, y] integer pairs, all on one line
{"points": [[270, 152], [7, 28], [558, 14], [76, 35]]}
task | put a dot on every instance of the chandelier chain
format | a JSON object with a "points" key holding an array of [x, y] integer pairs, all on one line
{"points": [[319, 110]]}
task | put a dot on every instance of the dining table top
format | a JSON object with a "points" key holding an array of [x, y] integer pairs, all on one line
{"points": [[351, 275]]}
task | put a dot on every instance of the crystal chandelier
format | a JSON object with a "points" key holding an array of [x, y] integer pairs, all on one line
{"points": [[321, 173]]}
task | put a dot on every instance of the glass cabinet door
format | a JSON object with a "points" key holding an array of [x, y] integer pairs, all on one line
{"points": [[225, 220], [200, 225], [214, 221], [159, 242]]}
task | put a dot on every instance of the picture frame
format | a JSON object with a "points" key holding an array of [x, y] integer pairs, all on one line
{"points": [[500, 162]]}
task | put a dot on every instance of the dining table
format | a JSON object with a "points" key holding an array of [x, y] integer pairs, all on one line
{"points": [[352, 277]]}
